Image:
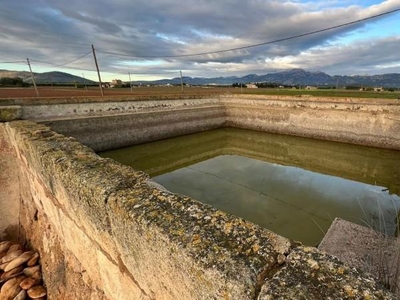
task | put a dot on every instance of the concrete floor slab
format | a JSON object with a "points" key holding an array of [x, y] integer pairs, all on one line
{"points": [[366, 249]]}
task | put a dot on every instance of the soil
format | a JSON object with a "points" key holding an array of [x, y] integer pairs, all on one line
{"points": [[95, 92]]}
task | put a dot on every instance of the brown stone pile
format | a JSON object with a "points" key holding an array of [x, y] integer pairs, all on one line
{"points": [[20, 273]]}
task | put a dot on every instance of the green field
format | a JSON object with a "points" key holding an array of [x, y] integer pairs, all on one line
{"points": [[325, 93], [193, 91]]}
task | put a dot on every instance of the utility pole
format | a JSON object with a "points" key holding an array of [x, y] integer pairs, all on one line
{"points": [[33, 77], [130, 81], [98, 72], [84, 80], [51, 81], [181, 82]]}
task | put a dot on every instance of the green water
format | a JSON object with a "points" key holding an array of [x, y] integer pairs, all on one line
{"points": [[290, 185]]}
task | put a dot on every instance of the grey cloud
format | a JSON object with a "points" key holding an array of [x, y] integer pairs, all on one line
{"points": [[363, 57], [101, 24], [59, 31]]}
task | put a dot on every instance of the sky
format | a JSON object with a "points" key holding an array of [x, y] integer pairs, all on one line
{"points": [[155, 38]]}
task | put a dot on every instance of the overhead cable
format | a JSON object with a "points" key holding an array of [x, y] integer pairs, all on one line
{"points": [[13, 62], [74, 60], [67, 67], [64, 64], [254, 45]]}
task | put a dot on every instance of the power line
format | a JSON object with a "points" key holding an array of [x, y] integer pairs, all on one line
{"points": [[64, 64], [41, 62], [13, 62], [74, 60], [82, 69], [67, 67], [255, 45]]}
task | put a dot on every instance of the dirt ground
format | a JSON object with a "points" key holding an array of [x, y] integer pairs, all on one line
{"points": [[170, 92], [95, 92]]}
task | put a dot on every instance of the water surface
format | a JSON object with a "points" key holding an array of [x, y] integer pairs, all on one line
{"points": [[290, 185]]}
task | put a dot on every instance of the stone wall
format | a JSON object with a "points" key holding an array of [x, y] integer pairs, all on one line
{"points": [[104, 231]]}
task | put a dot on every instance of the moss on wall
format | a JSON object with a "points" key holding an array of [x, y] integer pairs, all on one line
{"points": [[10, 113]]}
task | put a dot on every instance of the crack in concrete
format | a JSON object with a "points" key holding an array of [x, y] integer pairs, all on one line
{"points": [[269, 272], [124, 270]]}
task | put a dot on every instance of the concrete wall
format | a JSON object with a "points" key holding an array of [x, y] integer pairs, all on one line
{"points": [[105, 232], [9, 189], [369, 122], [56, 110], [362, 123], [115, 131]]}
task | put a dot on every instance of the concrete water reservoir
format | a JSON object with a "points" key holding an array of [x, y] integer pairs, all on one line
{"points": [[108, 231]]}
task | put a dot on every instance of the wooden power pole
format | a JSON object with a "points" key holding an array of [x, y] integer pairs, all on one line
{"points": [[98, 72], [130, 81], [33, 77], [181, 81]]}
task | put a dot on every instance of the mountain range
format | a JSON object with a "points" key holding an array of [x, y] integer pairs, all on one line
{"points": [[287, 77], [47, 77], [294, 77]]}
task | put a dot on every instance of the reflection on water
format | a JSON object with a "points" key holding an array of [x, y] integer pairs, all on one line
{"points": [[287, 184], [290, 201]]}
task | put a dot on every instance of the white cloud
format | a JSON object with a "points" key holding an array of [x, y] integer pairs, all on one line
{"points": [[59, 31]]}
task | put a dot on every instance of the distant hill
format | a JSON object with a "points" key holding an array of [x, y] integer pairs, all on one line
{"points": [[47, 77], [292, 77], [11, 74], [288, 77]]}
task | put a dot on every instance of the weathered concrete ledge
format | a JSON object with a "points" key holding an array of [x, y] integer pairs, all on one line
{"points": [[106, 232], [33, 101], [108, 125]]}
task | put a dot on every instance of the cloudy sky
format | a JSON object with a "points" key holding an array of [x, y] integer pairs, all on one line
{"points": [[153, 38]]}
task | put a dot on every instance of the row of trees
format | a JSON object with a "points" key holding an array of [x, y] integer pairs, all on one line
{"points": [[265, 85], [321, 87], [13, 81]]}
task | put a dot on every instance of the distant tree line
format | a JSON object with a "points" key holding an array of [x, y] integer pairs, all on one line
{"points": [[238, 84], [270, 85], [13, 81], [276, 85], [78, 85]]}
